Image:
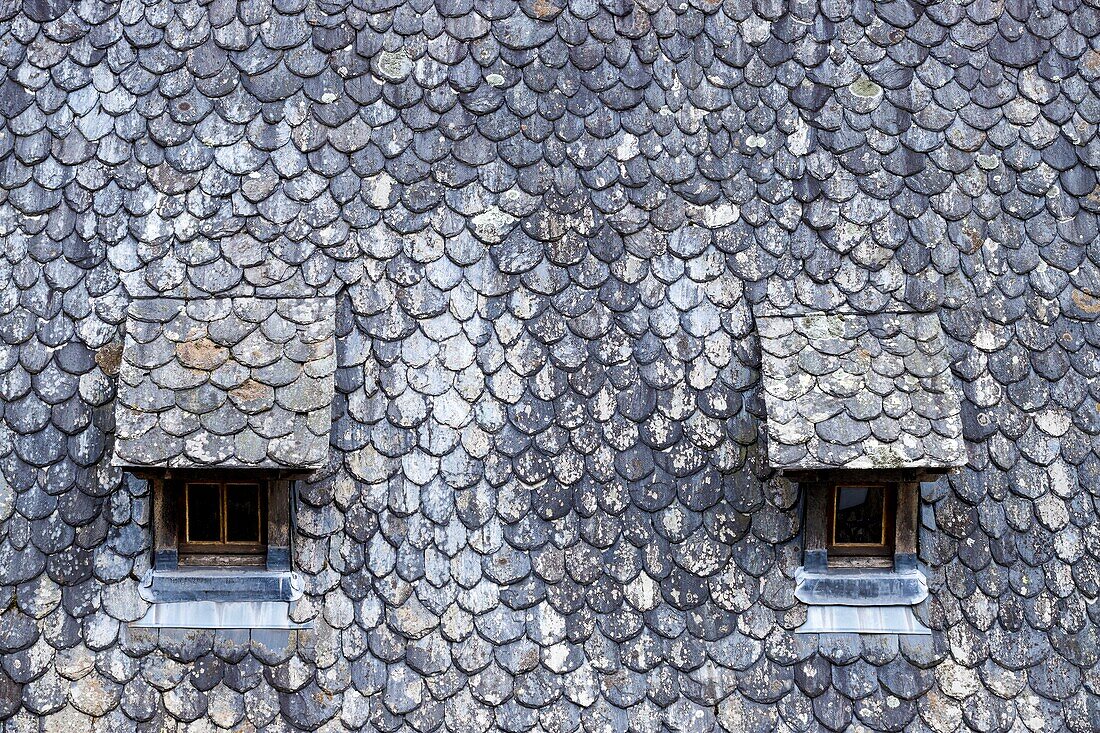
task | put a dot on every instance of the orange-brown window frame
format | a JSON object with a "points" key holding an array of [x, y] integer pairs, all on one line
{"points": [[202, 551], [883, 548]]}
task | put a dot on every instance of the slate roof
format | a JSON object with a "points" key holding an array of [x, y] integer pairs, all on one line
{"points": [[859, 392], [228, 382], [547, 503]]}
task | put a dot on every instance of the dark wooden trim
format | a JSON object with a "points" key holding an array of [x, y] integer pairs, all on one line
{"points": [[905, 538], [222, 548], [169, 548], [815, 557], [902, 516], [816, 511], [859, 475], [201, 474], [278, 525], [165, 551], [199, 559]]}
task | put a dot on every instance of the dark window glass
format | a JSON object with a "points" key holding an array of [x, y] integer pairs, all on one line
{"points": [[223, 519], [242, 513], [204, 516], [859, 515]]}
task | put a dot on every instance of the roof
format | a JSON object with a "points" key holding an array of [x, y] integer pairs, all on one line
{"points": [[228, 382], [549, 224], [859, 392]]}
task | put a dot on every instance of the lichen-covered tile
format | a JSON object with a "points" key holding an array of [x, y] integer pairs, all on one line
{"points": [[232, 365]]}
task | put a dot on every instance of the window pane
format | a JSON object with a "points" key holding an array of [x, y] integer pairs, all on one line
{"points": [[859, 516], [204, 519], [242, 515]]}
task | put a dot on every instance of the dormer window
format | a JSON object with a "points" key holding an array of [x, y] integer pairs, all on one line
{"points": [[861, 520], [220, 519], [860, 409], [859, 568], [222, 403], [221, 550]]}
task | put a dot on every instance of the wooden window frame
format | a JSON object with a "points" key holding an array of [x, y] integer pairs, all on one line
{"points": [[212, 552], [170, 552], [819, 489], [885, 548]]}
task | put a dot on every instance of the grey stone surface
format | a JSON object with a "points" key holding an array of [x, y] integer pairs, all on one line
{"points": [[859, 391], [200, 380], [550, 237]]}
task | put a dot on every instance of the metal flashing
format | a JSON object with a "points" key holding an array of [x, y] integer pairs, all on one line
{"points": [[862, 620], [860, 587], [220, 585], [219, 615]]}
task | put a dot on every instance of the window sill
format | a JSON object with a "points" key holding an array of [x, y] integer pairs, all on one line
{"points": [[223, 585], [219, 598], [861, 600]]}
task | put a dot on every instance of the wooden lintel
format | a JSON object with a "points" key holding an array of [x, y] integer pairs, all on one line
{"points": [[191, 472], [864, 474]]}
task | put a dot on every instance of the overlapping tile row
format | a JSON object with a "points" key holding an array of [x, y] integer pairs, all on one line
{"points": [[859, 392], [546, 226], [228, 382]]}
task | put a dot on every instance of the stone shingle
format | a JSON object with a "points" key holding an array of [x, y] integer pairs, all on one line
{"points": [[533, 236], [225, 391], [859, 391]]}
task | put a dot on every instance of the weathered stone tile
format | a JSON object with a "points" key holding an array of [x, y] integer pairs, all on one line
{"points": [[835, 379], [213, 387]]}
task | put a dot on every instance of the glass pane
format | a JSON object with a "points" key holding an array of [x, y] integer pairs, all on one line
{"points": [[242, 513], [859, 515], [204, 521]]}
